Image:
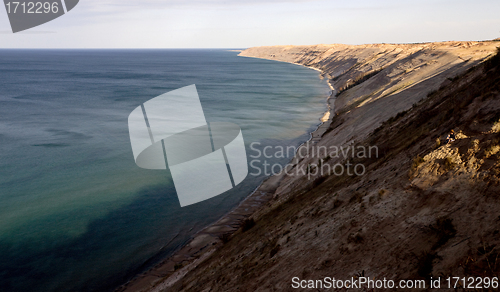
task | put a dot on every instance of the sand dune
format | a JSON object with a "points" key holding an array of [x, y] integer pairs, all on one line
{"points": [[420, 209]]}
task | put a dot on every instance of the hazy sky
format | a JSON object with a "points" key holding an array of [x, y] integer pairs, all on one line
{"points": [[246, 23]]}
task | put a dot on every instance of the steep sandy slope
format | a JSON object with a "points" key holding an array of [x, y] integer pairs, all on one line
{"points": [[374, 82], [422, 209]]}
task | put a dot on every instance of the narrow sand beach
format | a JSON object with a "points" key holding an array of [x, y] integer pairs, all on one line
{"points": [[362, 110], [206, 241]]}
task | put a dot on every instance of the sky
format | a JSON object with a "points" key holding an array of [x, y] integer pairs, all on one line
{"points": [[248, 23]]}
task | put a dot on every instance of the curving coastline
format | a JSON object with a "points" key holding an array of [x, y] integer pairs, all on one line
{"points": [[206, 241], [409, 72]]}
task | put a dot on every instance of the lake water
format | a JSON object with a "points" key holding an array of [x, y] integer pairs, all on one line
{"points": [[76, 213]]}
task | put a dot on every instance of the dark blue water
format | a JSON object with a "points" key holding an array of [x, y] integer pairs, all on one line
{"points": [[76, 213]]}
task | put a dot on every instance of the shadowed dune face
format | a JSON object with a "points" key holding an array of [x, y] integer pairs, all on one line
{"points": [[375, 82], [394, 67], [422, 209]]}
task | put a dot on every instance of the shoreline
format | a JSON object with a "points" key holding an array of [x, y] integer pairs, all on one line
{"points": [[207, 240], [448, 61], [329, 113]]}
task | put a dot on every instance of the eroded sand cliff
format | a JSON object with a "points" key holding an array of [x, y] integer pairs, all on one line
{"points": [[421, 209]]}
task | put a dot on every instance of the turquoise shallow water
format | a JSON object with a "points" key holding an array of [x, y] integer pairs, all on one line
{"points": [[76, 213]]}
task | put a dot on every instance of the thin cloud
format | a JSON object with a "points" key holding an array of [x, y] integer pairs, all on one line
{"points": [[27, 32], [162, 4]]}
